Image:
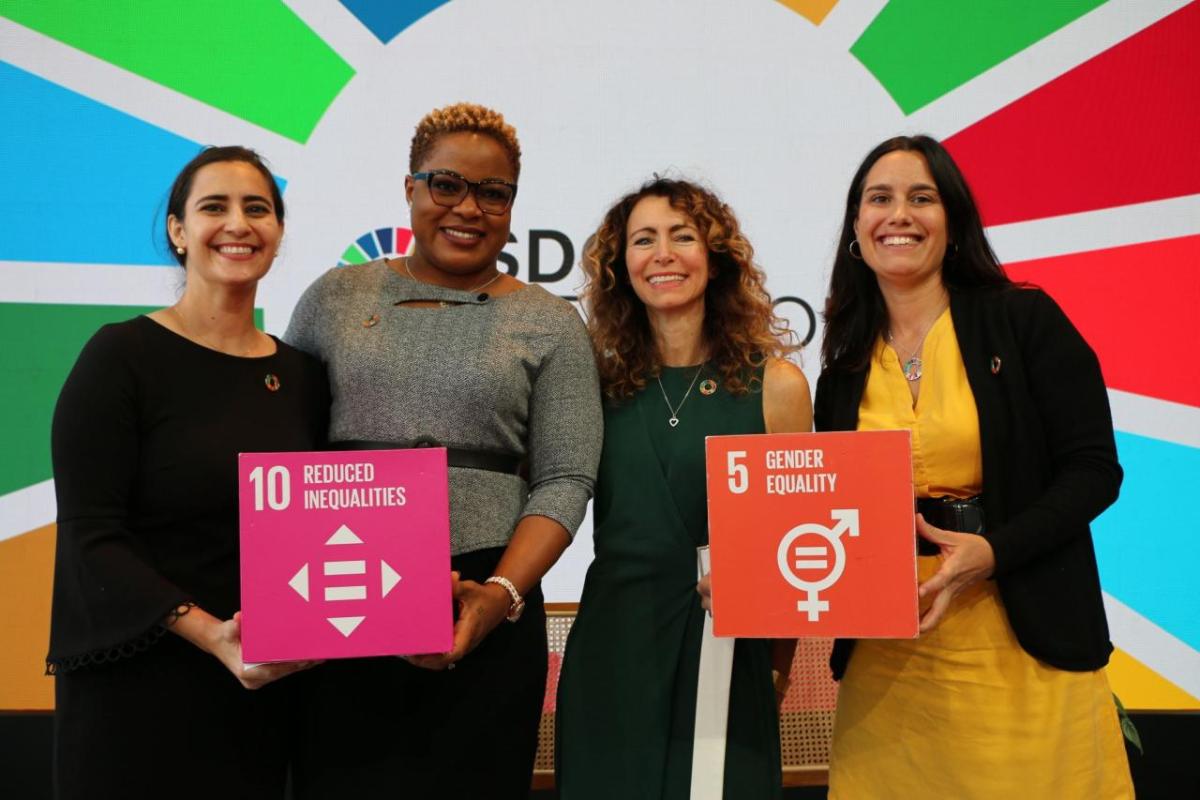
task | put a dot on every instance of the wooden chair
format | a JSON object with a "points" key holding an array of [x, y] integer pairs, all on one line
{"points": [[805, 721]]}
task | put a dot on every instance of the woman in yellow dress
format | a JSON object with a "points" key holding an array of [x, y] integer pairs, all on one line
{"points": [[1003, 694]]}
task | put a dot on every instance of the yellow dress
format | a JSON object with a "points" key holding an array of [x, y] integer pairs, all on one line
{"points": [[963, 712]]}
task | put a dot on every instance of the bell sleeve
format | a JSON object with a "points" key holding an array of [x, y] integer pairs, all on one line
{"points": [[109, 601]]}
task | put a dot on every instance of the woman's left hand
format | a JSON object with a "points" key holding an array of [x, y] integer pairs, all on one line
{"points": [[704, 589], [481, 607], [967, 558]]}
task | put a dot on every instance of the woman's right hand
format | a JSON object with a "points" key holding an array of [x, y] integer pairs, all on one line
{"points": [[227, 647], [223, 639], [704, 589]]}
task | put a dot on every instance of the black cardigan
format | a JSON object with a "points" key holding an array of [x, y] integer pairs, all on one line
{"points": [[1049, 465]]}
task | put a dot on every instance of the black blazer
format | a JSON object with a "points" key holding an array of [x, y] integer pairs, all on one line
{"points": [[1049, 465]]}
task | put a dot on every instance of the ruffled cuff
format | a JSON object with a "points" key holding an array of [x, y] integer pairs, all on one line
{"points": [[107, 655]]}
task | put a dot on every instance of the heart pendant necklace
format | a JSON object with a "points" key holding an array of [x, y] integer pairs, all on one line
{"points": [[673, 420]]}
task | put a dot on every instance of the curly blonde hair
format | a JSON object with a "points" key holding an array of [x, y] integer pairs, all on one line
{"points": [[741, 328], [460, 118]]}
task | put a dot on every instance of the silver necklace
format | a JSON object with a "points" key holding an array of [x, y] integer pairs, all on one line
{"points": [[673, 420], [912, 366], [443, 303]]}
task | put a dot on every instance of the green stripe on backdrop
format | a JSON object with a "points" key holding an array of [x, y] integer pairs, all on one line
{"points": [[41, 343], [354, 256], [254, 59], [921, 49]]}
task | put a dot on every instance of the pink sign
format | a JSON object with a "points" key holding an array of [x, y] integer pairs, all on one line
{"points": [[344, 554]]}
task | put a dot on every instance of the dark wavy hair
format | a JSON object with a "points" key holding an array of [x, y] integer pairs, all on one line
{"points": [[740, 325], [854, 310], [182, 186]]}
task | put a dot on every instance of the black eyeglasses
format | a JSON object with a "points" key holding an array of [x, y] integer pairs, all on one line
{"points": [[448, 188]]}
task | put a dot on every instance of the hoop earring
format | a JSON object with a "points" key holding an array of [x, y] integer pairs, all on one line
{"points": [[856, 256]]}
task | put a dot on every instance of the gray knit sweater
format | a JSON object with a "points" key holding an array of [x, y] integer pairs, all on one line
{"points": [[513, 374]]}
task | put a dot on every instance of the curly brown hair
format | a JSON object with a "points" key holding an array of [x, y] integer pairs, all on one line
{"points": [[741, 328], [459, 118]]}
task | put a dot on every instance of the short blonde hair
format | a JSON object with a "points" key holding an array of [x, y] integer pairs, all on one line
{"points": [[463, 118]]}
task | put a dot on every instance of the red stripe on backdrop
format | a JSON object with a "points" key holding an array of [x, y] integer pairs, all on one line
{"points": [[403, 240], [1120, 128], [1136, 306]]}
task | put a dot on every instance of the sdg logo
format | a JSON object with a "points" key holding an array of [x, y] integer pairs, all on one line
{"points": [[379, 243], [808, 567], [388, 578]]}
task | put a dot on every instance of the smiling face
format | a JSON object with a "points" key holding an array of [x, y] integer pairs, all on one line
{"points": [[453, 246], [901, 223], [666, 256], [229, 228]]}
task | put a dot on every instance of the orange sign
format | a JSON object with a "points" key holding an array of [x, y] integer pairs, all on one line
{"points": [[812, 534]]}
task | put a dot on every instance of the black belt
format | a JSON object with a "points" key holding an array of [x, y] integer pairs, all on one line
{"points": [[949, 514], [455, 456]]}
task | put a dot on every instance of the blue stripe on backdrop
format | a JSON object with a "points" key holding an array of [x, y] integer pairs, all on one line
{"points": [[366, 243], [1148, 543], [386, 18], [384, 235], [84, 183]]}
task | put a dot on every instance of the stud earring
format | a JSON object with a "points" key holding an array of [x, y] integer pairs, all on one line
{"points": [[180, 250]]}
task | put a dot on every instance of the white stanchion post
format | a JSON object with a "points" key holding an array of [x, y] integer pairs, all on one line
{"points": [[712, 706]]}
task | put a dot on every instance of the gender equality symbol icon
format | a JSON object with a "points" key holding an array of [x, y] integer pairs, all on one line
{"points": [[343, 537], [795, 559]]}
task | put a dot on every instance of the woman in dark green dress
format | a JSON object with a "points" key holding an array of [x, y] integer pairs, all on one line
{"points": [[687, 346]]}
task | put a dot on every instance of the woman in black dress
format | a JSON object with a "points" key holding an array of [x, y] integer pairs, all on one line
{"points": [[145, 637]]}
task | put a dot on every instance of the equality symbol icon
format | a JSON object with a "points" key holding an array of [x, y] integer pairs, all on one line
{"points": [[795, 560], [388, 578]]}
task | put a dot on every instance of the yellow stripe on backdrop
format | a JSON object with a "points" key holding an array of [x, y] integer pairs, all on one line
{"points": [[1141, 688], [814, 10], [26, 571]]}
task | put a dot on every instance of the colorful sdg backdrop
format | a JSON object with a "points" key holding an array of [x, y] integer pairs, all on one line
{"points": [[1076, 122]]}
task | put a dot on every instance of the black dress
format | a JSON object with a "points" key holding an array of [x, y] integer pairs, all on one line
{"points": [[145, 441]]}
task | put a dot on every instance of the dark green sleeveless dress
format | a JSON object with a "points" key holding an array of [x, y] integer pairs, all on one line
{"points": [[627, 693]]}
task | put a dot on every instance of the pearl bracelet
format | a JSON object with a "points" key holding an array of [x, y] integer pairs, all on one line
{"points": [[518, 602]]}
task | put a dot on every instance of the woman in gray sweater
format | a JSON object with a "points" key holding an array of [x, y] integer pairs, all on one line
{"points": [[441, 347]]}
